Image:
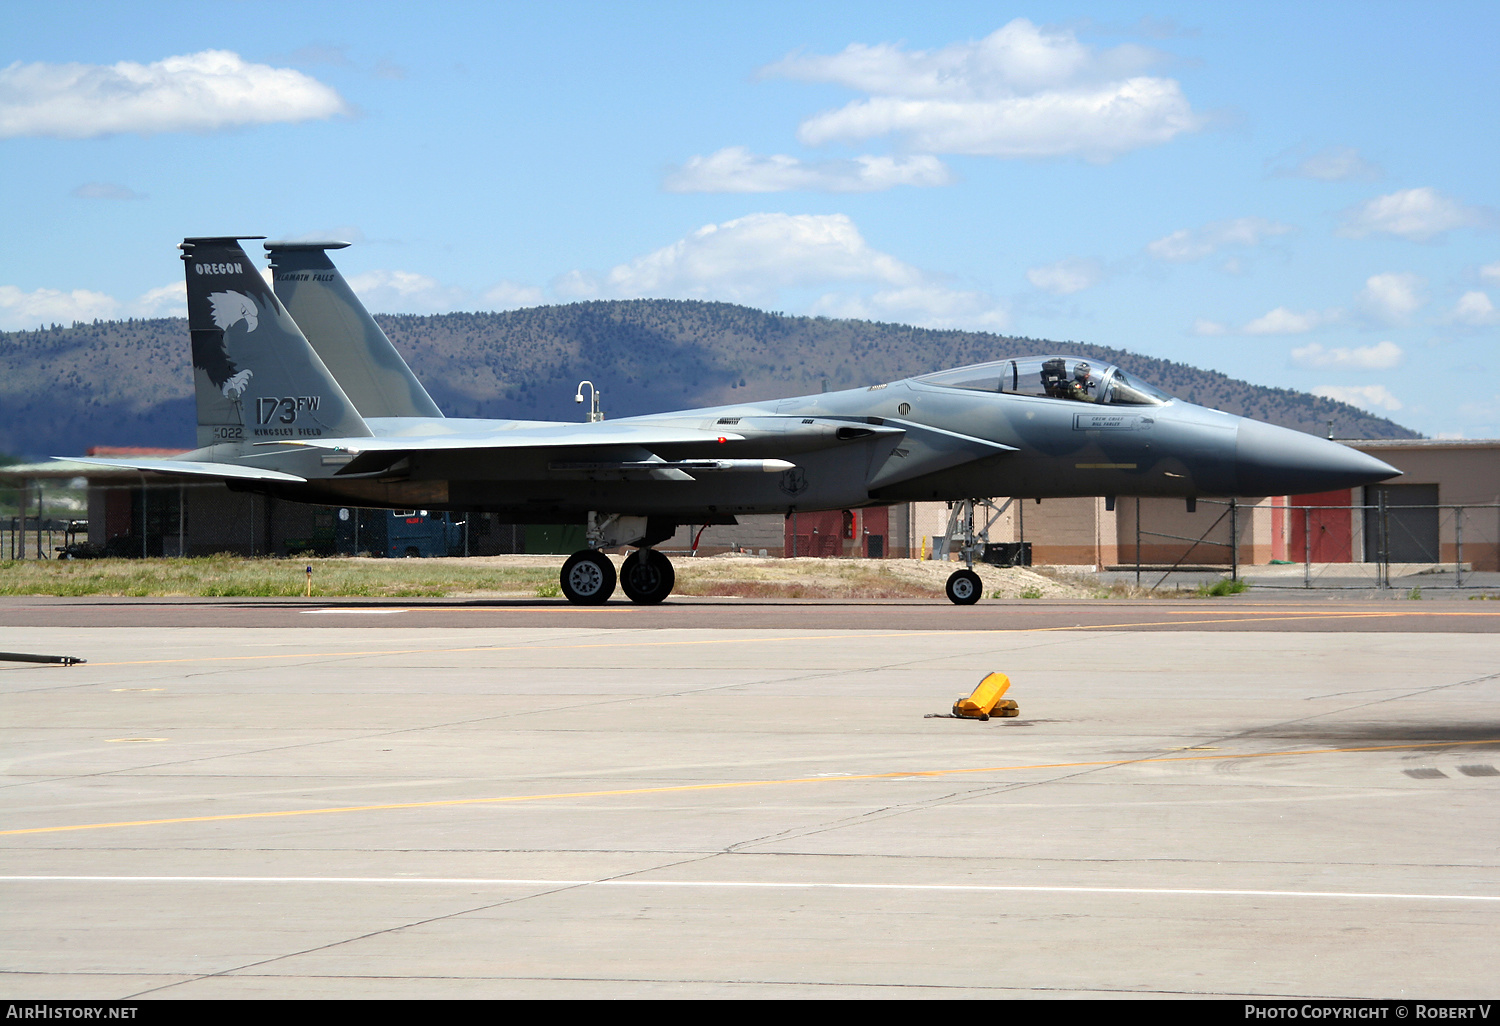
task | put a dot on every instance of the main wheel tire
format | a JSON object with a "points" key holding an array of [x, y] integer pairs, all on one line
{"points": [[587, 578], [647, 576], [964, 588]]}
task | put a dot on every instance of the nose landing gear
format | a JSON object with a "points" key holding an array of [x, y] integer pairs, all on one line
{"points": [[964, 588]]}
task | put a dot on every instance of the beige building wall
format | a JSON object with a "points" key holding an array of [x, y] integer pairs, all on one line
{"points": [[1169, 533], [1467, 473], [1062, 532]]}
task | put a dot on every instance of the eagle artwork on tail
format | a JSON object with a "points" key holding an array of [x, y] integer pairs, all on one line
{"points": [[228, 308]]}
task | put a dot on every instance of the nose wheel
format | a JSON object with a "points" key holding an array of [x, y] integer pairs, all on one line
{"points": [[647, 576], [964, 588], [587, 578]]}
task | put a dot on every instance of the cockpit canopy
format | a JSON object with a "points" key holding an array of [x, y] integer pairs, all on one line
{"points": [[1053, 377]]}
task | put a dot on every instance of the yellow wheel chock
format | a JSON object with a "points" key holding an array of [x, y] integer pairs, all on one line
{"points": [[986, 701]]}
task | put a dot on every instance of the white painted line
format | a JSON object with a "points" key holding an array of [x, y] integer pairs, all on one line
{"points": [[764, 885], [354, 611]]}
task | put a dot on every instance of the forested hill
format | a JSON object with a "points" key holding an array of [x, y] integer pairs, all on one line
{"points": [[128, 382]]}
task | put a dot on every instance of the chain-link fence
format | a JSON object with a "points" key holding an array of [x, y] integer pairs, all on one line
{"points": [[61, 519], [1396, 536], [1401, 534]]}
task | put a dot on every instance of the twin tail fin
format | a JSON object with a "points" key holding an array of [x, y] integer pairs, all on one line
{"points": [[343, 333], [255, 376]]}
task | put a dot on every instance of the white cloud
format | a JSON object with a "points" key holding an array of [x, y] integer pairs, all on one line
{"points": [[736, 169], [1392, 298], [756, 258], [1195, 244], [1205, 327], [1369, 397], [1282, 321], [166, 301], [931, 306], [405, 292], [1491, 272], [575, 285], [1474, 309], [1023, 91], [26, 310], [1066, 276], [106, 190], [197, 92], [1334, 164], [748, 259], [1416, 214], [509, 295], [1381, 356]]}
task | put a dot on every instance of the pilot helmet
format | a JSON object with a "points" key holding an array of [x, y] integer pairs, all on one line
{"points": [[1081, 370]]}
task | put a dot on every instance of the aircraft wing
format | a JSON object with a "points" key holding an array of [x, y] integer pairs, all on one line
{"points": [[624, 448], [559, 436], [188, 467]]}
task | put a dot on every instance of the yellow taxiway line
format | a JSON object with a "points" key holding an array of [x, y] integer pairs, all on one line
{"points": [[725, 785]]}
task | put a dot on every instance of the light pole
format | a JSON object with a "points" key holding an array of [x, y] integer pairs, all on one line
{"points": [[595, 414]]}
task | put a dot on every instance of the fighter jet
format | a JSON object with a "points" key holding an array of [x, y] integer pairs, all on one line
{"points": [[300, 395]]}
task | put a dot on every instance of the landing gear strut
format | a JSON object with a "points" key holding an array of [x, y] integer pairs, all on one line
{"points": [[964, 586]]}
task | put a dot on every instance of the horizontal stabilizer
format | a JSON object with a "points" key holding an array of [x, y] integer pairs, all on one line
{"points": [[192, 469]]}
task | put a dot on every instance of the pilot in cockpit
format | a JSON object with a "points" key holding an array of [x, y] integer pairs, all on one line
{"points": [[1079, 387]]}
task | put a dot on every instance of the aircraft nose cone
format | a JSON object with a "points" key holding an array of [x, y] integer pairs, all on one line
{"points": [[1279, 461]]}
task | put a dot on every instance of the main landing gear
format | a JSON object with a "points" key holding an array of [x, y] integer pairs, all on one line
{"points": [[647, 576], [588, 578]]}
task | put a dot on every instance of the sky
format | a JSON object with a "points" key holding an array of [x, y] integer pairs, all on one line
{"points": [[1300, 195]]}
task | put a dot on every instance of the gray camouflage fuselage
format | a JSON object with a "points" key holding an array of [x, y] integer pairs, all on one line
{"points": [[1059, 448], [301, 395]]}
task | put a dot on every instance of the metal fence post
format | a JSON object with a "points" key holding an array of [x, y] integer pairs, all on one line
{"points": [[1458, 548], [1137, 541], [1383, 567], [1234, 539], [1307, 546]]}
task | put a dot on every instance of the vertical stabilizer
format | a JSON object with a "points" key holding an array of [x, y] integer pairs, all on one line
{"points": [[344, 334], [256, 378]]}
